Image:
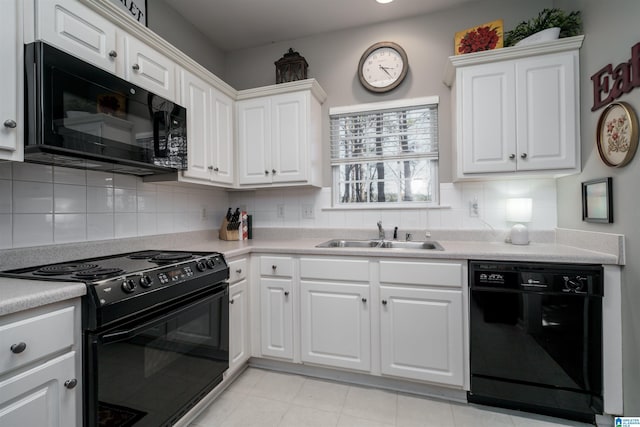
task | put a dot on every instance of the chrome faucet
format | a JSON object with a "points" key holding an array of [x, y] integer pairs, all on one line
{"points": [[380, 231]]}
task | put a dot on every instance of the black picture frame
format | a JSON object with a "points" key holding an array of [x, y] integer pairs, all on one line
{"points": [[597, 201]]}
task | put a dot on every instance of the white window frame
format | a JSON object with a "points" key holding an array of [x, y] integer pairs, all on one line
{"points": [[382, 106]]}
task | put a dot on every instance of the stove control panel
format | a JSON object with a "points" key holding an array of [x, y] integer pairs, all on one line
{"points": [[119, 288]]}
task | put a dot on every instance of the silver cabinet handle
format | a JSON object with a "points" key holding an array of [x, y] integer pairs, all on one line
{"points": [[384, 302], [513, 156], [71, 383], [523, 155], [11, 124], [18, 348], [239, 271], [136, 67], [364, 300], [286, 293], [113, 54]]}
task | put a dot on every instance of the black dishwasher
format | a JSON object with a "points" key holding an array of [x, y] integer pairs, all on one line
{"points": [[536, 337]]}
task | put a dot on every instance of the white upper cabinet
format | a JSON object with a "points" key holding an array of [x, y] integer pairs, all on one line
{"points": [[11, 87], [209, 131], [73, 27], [77, 29], [517, 111], [279, 135]]}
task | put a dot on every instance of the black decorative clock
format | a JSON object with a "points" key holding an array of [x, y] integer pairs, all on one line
{"points": [[383, 66]]}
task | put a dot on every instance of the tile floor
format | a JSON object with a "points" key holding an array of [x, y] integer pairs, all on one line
{"points": [[265, 398]]}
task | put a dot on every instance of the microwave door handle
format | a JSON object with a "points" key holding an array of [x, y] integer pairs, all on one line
{"points": [[125, 334], [160, 117]]}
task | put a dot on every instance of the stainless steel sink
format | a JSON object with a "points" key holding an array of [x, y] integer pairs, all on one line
{"points": [[382, 244], [339, 243]]}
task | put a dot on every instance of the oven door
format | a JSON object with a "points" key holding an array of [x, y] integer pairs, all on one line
{"points": [[152, 372]]}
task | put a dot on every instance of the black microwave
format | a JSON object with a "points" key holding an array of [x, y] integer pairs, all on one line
{"points": [[81, 116]]}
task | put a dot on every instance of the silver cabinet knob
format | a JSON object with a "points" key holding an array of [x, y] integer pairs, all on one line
{"points": [[10, 124], [273, 171], [216, 169], [113, 54], [71, 383], [286, 293], [523, 155], [384, 302], [364, 300], [513, 156], [230, 301], [266, 172], [210, 167], [239, 271], [136, 67], [273, 267]]}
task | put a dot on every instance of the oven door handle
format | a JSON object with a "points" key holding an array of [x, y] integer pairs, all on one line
{"points": [[125, 334]]}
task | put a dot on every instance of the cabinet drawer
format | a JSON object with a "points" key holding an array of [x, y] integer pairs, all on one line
{"points": [[237, 270], [419, 273], [276, 266], [42, 335], [334, 269]]}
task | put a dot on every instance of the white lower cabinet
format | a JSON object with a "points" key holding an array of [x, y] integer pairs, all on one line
{"points": [[336, 324], [41, 396], [277, 317], [40, 367], [421, 334], [239, 333]]}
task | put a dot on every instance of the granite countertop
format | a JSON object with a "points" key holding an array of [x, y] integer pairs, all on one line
{"points": [[20, 294]]}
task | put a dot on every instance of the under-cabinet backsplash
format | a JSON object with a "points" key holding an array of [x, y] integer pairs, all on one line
{"points": [[42, 205]]}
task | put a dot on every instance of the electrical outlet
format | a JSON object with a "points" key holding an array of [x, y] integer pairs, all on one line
{"points": [[474, 208], [308, 212], [280, 210]]}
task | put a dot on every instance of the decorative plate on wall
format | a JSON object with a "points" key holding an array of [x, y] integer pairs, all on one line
{"points": [[617, 134]]}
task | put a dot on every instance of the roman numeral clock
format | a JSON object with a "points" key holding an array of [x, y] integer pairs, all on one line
{"points": [[383, 66]]}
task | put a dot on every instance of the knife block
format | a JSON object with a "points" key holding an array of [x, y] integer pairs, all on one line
{"points": [[225, 234]]}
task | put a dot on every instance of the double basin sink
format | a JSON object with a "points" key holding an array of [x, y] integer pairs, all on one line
{"points": [[382, 244]]}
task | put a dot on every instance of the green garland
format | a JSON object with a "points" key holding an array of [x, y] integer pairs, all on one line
{"points": [[570, 25]]}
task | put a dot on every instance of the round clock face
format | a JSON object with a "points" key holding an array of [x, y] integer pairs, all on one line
{"points": [[383, 67]]}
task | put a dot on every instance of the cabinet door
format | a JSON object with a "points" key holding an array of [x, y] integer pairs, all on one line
{"points": [[73, 27], [194, 95], [11, 96], [421, 334], [289, 143], [221, 137], [336, 325], [148, 68], [486, 118], [39, 397], [254, 141], [277, 317], [547, 101], [238, 324]]}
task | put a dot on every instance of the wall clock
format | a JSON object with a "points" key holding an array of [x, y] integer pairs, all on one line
{"points": [[383, 66]]}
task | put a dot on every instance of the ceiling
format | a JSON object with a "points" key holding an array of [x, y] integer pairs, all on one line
{"points": [[239, 24]]}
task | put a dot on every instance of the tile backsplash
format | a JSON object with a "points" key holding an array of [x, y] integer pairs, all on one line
{"points": [[284, 207], [42, 205]]}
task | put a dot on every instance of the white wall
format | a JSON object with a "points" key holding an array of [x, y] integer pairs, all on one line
{"points": [[611, 29], [42, 205], [491, 196]]}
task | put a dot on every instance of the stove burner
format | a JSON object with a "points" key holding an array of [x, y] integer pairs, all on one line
{"points": [[62, 269], [144, 254], [169, 257], [98, 273]]}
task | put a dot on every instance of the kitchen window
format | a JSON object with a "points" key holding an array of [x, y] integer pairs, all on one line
{"points": [[385, 154]]}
